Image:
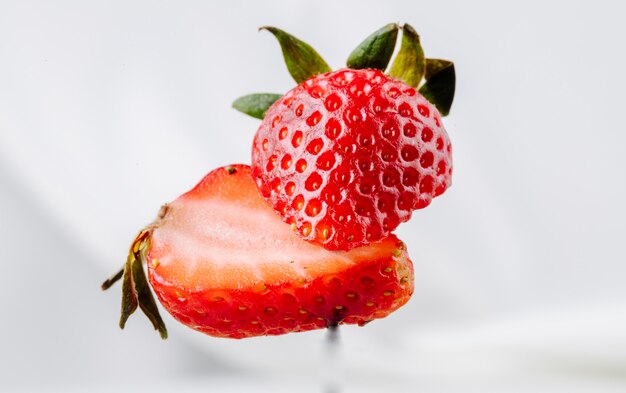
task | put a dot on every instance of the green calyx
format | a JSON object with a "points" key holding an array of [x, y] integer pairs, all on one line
{"points": [[376, 50], [440, 84], [255, 105], [435, 78], [409, 64], [135, 288], [302, 60]]}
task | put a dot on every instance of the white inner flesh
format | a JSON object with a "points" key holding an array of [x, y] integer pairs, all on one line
{"points": [[209, 240]]}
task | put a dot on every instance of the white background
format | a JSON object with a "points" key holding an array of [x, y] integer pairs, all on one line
{"points": [[109, 109]]}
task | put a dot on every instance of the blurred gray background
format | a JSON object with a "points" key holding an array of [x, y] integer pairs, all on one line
{"points": [[109, 109]]}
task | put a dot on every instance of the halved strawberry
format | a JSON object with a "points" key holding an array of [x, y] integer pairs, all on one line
{"points": [[223, 262]]}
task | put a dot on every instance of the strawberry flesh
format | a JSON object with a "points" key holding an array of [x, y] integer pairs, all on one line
{"points": [[222, 262]]}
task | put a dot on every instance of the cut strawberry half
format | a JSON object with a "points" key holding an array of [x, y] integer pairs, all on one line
{"points": [[223, 262]]}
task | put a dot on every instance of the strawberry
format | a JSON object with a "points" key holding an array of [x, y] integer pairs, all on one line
{"points": [[344, 157], [347, 155], [222, 262]]}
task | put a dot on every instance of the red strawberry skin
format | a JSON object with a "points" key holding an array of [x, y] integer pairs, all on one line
{"points": [[346, 156], [222, 262]]}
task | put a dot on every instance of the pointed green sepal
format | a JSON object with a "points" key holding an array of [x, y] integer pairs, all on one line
{"points": [[129, 296], [302, 60], [144, 295], [409, 65], [440, 84], [255, 105], [376, 50], [135, 288]]}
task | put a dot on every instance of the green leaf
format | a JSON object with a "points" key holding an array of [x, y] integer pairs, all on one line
{"points": [[129, 296], [144, 295], [440, 84], [434, 66], [409, 64], [255, 105], [376, 50], [135, 288], [302, 60]]}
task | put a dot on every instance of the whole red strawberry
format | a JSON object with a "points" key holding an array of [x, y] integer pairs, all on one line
{"points": [[346, 156], [222, 262]]}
